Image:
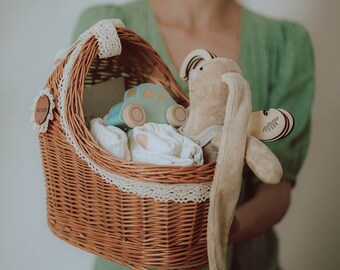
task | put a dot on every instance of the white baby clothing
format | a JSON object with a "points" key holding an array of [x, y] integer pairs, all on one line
{"points": [[110, 138], [162, 144]]}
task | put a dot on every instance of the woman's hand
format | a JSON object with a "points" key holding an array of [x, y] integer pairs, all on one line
{"points": [[234, 228], [262, 212]]}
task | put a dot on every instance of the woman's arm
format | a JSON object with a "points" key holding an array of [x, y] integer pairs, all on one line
{"points": [[262, 212]]}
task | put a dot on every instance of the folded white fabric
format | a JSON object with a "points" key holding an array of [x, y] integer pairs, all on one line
{"points": [[161, 144], [111, 138]]}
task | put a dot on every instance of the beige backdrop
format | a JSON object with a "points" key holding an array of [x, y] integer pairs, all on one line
{"points": [[30, 34]]}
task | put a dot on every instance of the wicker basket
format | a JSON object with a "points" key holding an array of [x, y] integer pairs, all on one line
{"points": [[93, 214]]}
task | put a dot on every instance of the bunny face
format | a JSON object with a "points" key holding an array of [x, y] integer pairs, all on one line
{"points": [[205, 80]]}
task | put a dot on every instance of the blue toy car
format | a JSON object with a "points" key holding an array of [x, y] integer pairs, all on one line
{"points": [[146, 102]]}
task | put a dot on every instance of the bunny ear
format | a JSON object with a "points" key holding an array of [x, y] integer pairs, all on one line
{"points": [[192, 60]]}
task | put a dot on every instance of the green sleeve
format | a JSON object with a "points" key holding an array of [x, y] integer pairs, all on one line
{"points": [[94, 14], [292, 89]]}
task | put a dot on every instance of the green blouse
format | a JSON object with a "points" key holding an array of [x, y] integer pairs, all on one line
{"points": [[276, 58]]}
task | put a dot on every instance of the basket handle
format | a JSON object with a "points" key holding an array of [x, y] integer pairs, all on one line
{"points": [[106, 34]]}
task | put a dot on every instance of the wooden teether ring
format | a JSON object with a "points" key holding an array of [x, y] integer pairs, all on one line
{"points": [[290, 120], [269, 125]]}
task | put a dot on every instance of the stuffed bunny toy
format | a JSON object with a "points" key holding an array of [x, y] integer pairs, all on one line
{"points": [[221, 121]]}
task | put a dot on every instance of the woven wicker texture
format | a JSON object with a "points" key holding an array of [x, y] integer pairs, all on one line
{"points": [[87, 212]]}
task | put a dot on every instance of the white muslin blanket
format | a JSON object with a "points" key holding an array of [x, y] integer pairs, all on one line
{"points": [[162, 144], [111, 138]]}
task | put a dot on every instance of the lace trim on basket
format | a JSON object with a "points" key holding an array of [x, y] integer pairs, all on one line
{"points": [[106, 34], [181, 193]]}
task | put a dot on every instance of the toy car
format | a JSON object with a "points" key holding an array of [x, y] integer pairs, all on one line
{"points": [[146, 102]]}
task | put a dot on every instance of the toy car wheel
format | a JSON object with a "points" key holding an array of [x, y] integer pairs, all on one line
{"points": [[134, 115], [176, 115]]}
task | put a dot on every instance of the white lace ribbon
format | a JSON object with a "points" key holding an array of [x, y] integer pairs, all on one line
{"points": [[180, 193], [106, 35]]}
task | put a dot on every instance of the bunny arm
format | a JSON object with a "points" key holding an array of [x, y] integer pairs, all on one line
{"points": [[259, 158], [266, 125], [262, 161]]}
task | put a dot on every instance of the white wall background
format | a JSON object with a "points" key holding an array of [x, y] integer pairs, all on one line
{"points": [[30, 34]]}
